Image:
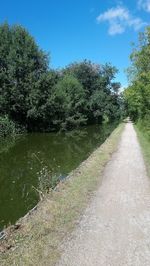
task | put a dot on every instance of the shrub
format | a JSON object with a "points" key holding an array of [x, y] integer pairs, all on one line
{"points": [[144, 126], [47, 181], [9, 127]]}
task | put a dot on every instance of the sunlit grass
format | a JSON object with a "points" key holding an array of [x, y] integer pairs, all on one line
{"points": [[144, 139]]}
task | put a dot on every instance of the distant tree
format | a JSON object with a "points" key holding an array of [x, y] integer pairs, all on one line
{"points": [[69, 100], [98, 86], [137, 96], [87, 74]]}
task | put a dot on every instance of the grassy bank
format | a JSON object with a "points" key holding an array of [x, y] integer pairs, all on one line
{"points": [[38, 238], [143, 134]]}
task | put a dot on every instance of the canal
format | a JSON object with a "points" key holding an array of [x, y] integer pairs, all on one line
{"points": [[22, 161]]}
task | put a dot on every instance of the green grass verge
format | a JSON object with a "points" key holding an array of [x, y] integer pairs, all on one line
{"points": [[37, 241], [144, 139]]}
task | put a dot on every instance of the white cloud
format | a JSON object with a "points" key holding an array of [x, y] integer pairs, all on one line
{"points": [[120, 18], [144, 4]]}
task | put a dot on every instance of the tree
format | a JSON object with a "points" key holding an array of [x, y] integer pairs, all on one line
{"points": [[41, 102], [69, 100], [99, 89], [137, 96], [21, 64], [41, 99]]}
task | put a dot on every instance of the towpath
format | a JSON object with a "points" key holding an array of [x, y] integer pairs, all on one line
{"points": [[115, 228]]}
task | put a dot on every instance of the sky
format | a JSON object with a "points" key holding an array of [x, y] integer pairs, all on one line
{"points": [[72, 30]]}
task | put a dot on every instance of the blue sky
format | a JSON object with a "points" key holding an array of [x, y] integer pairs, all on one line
{"points": [[72, 30]]}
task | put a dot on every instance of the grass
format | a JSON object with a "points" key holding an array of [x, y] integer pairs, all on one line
{"points": [[144, 139], [38, 239]]}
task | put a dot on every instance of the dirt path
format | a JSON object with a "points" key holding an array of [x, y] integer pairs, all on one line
{"points": [[115, 228]]}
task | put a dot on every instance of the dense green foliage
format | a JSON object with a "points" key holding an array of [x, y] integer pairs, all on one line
{"points": [[8, 127], [137, 96], [42, 99], [22, 64]]}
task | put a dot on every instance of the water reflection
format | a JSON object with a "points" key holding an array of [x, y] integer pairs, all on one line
{"points": [[21, 160]]}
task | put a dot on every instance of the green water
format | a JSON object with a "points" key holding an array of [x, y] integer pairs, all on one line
{"points": [[23, 158]]}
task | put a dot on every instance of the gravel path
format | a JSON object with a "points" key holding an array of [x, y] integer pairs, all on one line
{"points": [[115, 228]]}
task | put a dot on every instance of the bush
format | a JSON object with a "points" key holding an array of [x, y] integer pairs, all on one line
{"points": [[144, 126], [47, 180], [8, 127]]}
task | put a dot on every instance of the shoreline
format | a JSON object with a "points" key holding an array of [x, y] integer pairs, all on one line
{"points": [[58, 213]]}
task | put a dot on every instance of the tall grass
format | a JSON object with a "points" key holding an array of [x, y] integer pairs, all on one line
{"points": [[143, 132]]}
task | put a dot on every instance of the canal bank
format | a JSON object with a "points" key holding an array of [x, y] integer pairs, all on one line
{"points": [[34, 161], [37, 239]]}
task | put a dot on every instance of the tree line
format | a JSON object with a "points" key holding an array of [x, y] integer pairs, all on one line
{"points": [[137, 95], [35, 97]]}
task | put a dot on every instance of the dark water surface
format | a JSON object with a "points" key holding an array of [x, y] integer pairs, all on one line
{"points": [[20, 163]]}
